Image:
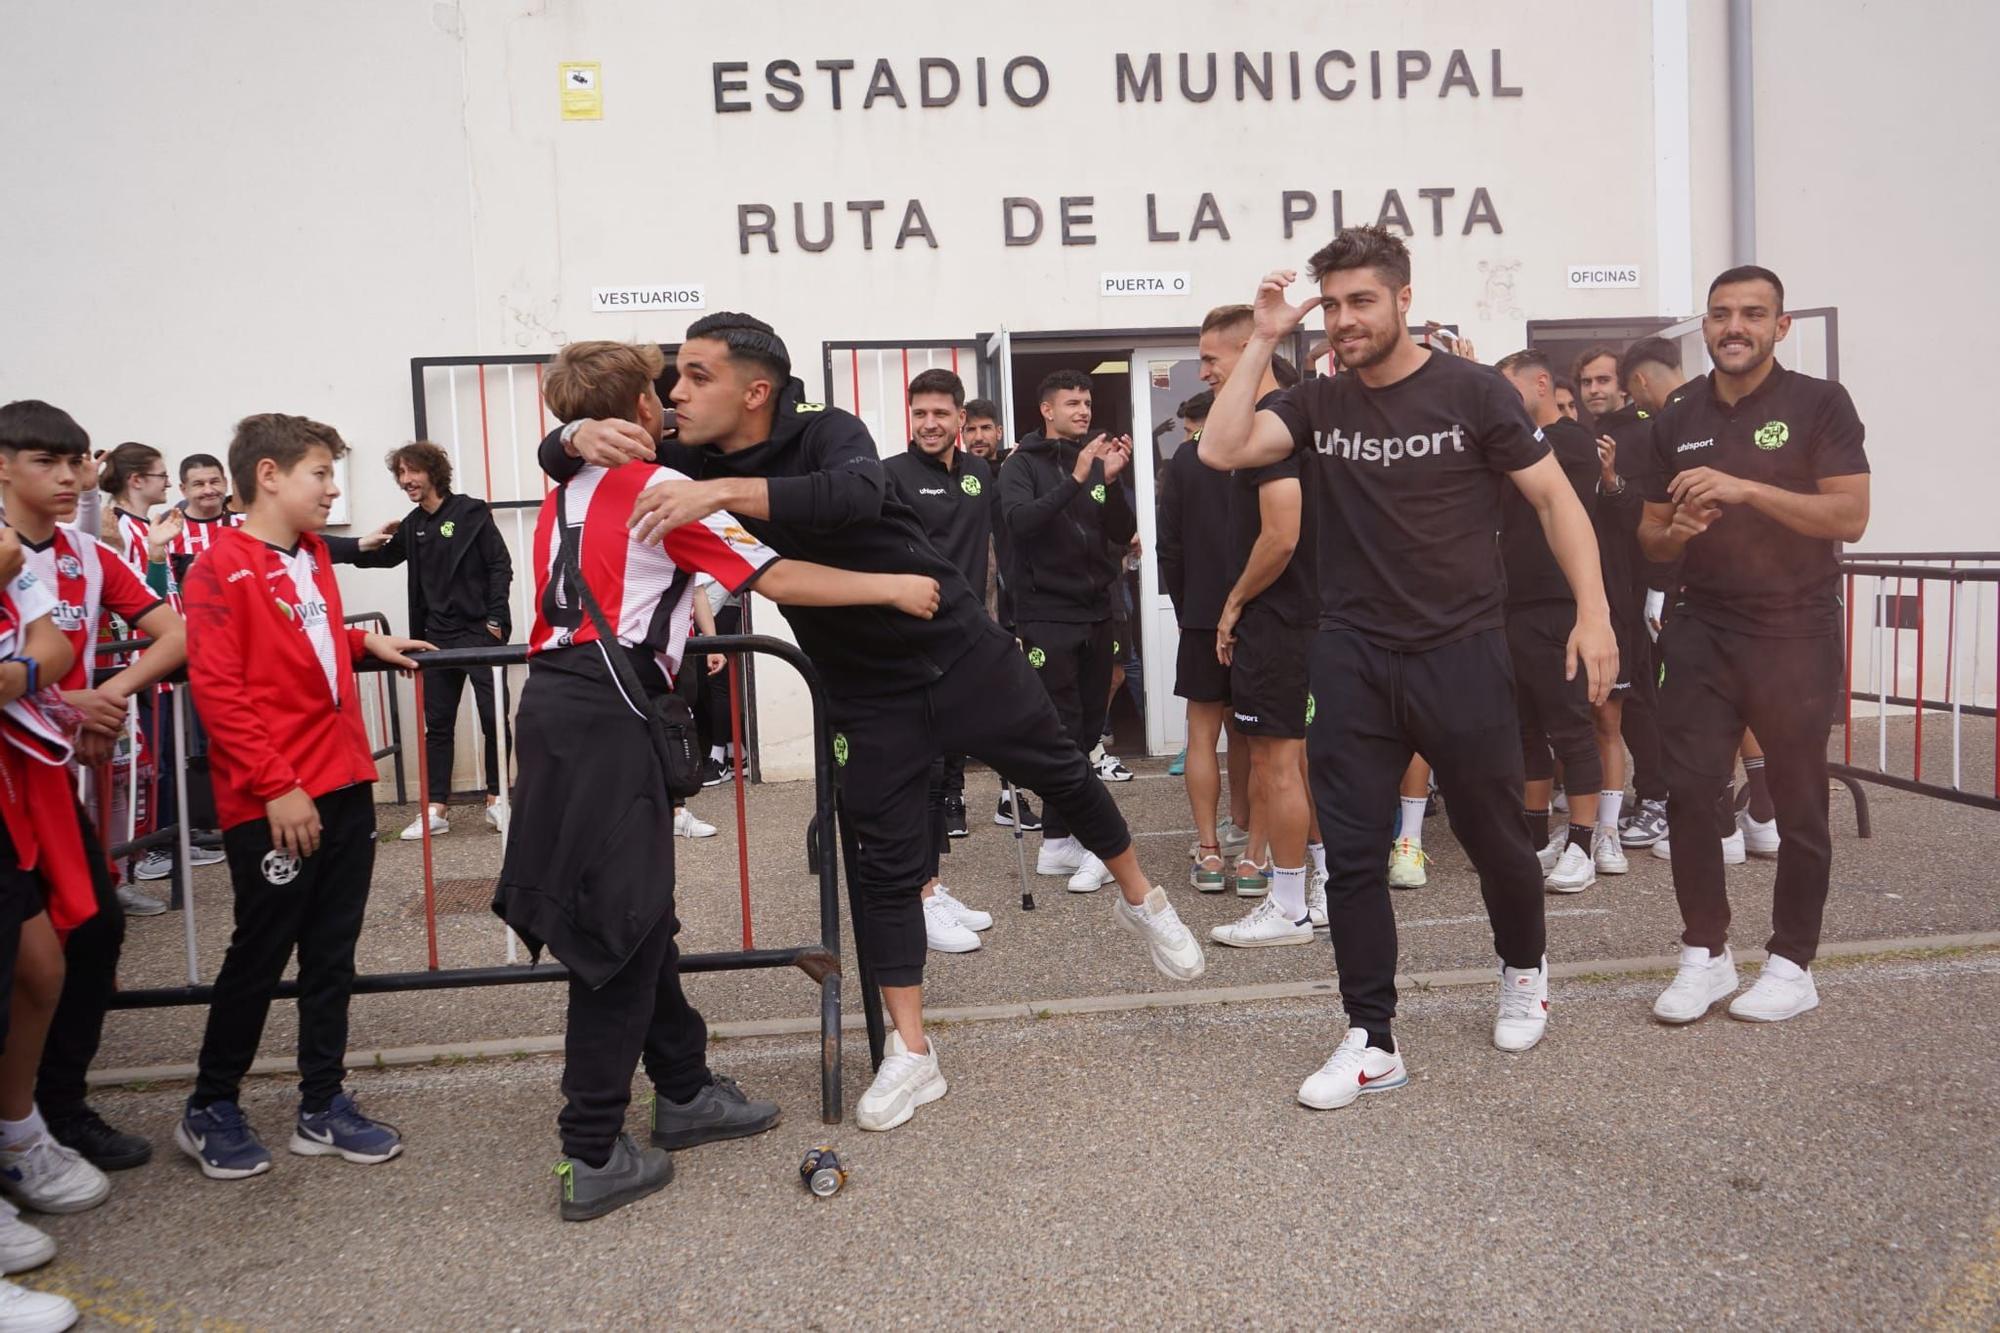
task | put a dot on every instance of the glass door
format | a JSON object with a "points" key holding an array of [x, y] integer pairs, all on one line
{"points": [[1163, 377]]}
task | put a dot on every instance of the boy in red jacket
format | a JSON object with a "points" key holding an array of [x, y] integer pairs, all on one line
{"points": [[273, 675]]}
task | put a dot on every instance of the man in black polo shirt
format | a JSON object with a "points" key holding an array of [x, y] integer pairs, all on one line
{"points": [[1414, 448], [952, 494], [805, 480], [1755, 476], [1069, 518]]}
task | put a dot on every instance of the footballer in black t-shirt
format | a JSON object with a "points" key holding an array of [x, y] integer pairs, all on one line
{"points": [[1413, 451], [1754, 476]]}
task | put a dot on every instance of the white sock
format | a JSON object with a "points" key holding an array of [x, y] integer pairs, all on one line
{"points": [[1609, 803], [715, 753], [1061, 845], [19, 1133], [1413, 818], [1288, 891], [1318, 852]]}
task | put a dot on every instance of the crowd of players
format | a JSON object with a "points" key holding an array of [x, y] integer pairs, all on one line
{"points": [[1416, 566]]}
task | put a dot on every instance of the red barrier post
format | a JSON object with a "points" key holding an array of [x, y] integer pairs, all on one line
{"points": [[742, 816], [485, 438], [424, 816]]}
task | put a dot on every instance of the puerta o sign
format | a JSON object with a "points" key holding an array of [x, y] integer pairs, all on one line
{"points": [[659, 296], [1602, 276], [1144, 284]]}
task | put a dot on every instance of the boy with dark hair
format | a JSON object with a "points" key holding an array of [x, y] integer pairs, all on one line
{"points": [[1069, 518], [806, 480], [42, 457], [459, 578], [589, 868], [273, 676]]}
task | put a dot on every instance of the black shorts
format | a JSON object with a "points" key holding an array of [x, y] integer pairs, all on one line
{"points": [[1555, 713], [1198, 677], [1267, 679], [1634, 643]]}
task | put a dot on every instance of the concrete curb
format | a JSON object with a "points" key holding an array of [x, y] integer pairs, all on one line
{"points": [[509, 1047]]}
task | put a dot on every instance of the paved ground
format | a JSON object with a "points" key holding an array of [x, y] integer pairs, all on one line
{"points": [[1134, 1167]]}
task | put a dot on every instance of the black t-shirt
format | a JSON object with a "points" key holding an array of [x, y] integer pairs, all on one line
{"points": [[1750, 573], [431, 553], [1294, 595], [1532, 572], [1193, 538], [1408, 484]]}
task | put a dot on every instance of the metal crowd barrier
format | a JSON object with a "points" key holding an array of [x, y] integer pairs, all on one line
{"points": [[1892, 602], [821, 962]]}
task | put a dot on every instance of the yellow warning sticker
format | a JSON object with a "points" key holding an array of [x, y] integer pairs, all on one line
{"points": [[582, 90]]}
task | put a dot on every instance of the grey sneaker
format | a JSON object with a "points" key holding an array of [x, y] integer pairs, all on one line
{"points": [[719, 1111], [137, 902], [627, 1176], [1644, 826]]}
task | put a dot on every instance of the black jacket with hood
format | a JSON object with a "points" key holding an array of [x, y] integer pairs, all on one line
{"points": [[1068, 537], [466, 529], [831, 503], [954, 503]]}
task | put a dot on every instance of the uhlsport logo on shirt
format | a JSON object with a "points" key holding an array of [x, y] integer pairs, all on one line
{"points": [[1772, 435], [970, 485], [1389, 450]]}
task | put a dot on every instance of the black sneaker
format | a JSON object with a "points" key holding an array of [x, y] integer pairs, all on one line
{"points": [[627, 1176], [713, 773], [1003, 814], [954, 818], [104, 1147], [719, 1111]]}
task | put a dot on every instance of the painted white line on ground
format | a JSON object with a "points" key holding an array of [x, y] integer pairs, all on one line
{"points": [[1480, 918]]}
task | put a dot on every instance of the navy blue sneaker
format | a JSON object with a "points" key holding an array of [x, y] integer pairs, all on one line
{"points": [[221, 1140], [342, 1129]]}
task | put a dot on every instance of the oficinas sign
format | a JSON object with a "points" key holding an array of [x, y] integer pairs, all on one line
{"points": [[1023, 81]]}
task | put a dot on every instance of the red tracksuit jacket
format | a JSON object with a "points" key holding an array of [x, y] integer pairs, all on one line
{"points": [[258, 684]]}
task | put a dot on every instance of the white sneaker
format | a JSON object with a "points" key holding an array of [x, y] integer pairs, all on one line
{"points": [[1574, 871], [1732, 849], [1175, 952], [1060, 856], [1559, 803], [1552, 851], [1406, 865], [1265, 924], [1524, 1007], [22, 1246], [902, 1084], [415, 831], [969, 917], [1354, 1068], [1782, 990], [1608, 853], [1759, 840], [50, 1178], [1107, 767], [1316, 900], [1703, 979], [138, 903], [1090, 876], [496, 815], [942, 931], [24, 1311], [688, 824]]}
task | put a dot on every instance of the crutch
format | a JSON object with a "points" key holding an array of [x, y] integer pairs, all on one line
{"points": [[1020, 844]]}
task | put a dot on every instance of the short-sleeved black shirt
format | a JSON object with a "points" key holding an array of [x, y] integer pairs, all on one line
{"points": [[1532, 572], [1750, 573], [1294, 595], [1408, 482]]}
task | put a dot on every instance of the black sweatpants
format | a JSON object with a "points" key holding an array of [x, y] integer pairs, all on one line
{"points": [[315, 905], [1555, 713], [90, 962], [1788, 692], [641, 1011], [443, 688], [1073, 663], [1639, 723], [1375, 708], [989, 705]]}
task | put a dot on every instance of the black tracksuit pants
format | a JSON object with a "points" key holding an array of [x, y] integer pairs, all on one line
{"points": [[443, 688], [314, 905], [988, 704], [1073, 663], [1639, 722], [1375, 708], [640, 1012], [90, 963], [1787, 691]]}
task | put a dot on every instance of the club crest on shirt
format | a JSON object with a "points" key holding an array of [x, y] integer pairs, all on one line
{"points": [[969, 484], [840, 748], [1772, 435], [1037, 658], [286, 607], [279, 867], [446, 528], [1097, 493], [69, 566]]}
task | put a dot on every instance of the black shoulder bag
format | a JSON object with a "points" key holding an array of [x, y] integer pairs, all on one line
{"points": [[668, 718]]}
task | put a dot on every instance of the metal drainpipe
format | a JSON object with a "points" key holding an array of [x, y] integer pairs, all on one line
{"points": [[1742, 138]]}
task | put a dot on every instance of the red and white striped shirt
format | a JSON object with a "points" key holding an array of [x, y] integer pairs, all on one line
{"points": [[628, 578], [197, 535], [86, 583]]}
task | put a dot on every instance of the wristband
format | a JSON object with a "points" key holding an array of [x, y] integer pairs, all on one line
{"points": [[29, 665]]}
